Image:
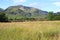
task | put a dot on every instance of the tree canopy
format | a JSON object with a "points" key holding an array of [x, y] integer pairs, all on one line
{"points": [[3, 17]]}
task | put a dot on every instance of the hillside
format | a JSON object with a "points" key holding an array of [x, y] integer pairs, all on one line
{"points": [[1, 10], [20, 11]]}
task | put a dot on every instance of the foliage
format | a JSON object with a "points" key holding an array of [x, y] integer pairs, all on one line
{"points": [[50, 16], [57, 16], [53, 16], [3, 17]]}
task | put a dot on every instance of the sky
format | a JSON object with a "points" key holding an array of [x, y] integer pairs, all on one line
{"points": [[46, 5]]}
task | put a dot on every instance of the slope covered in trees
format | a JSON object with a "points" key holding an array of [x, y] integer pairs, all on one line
{"points": [[21, 12], [24, 13]]}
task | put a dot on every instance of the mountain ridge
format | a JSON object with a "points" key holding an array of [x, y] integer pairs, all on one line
{"points": [[20, 11]]}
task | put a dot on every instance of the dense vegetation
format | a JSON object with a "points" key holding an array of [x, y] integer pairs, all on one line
{"points": [[3, 17], [53, 16]]}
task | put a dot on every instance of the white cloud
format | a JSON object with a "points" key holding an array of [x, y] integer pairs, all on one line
{"points": [[19, 1], [38, 5], [56, 4], [57, 11], [33, 4]]}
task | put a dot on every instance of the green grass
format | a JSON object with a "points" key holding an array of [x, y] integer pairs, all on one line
{"points": [[39, 30]]}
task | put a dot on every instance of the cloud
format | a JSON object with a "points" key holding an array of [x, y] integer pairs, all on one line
{"points": [[38, 5], [33, 4], [19, 1], [56, 4], [57, 10]]}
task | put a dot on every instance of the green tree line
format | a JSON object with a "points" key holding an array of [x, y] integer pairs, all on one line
{"points": [[53, 16], [50, 16]]}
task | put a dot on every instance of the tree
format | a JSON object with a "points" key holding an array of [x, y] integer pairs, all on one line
{"points": [[50, 16], [57, 16], [3, 17]]}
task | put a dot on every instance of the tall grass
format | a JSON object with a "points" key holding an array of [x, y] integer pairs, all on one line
{"points": [[39, 30]]}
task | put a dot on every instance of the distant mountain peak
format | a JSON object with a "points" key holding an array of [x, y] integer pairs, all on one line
{"points": [[24, 11], [1, 10]]}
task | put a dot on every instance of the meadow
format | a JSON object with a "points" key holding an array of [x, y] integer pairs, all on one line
{"points": [[35, 30]]}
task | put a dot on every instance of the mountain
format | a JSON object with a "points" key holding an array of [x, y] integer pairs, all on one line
{"points": [[1, 10], [20, 11]]}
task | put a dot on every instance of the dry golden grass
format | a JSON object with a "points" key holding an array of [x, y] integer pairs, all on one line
{"points": [[36, 30]]}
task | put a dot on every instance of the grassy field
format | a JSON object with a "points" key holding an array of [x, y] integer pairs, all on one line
{"points": [[39, 30]]}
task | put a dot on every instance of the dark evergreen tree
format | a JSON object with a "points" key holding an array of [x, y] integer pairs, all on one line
{"points": [[3, 17]]}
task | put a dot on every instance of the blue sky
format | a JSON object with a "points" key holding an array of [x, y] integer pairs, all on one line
{"points": [[46, 5]]}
